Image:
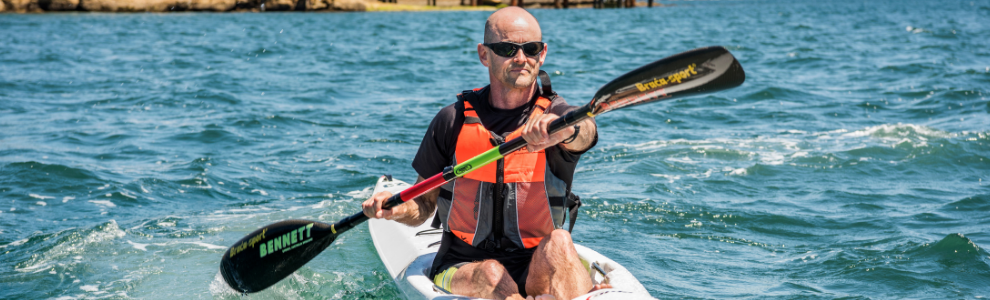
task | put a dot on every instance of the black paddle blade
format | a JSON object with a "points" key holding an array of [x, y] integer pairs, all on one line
{"points": [[271, 253], [702, 70]]}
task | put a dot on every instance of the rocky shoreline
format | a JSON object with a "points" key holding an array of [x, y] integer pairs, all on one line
{"points": [[40, 6]]}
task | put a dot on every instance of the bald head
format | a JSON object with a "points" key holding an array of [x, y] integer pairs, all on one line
{"points": [[510, 22]]}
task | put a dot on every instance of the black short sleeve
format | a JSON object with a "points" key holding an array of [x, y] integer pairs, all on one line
{"points": [[436, 151]]}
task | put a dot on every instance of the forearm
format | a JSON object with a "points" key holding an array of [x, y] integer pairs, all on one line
{"points": [[585, 137], [419, 209]]}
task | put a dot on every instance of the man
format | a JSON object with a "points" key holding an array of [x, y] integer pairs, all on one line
{"points": [[517, 249]]}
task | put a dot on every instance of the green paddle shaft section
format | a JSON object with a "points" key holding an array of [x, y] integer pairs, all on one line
{"points": [[478, 161]]}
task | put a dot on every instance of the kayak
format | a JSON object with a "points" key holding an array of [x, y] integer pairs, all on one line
{"points": [[407, 252]]}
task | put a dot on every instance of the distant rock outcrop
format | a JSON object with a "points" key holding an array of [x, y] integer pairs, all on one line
{"points": [[22, 6], [318, 4], [350, 5], [212, 5], [59, 5], [128, 6]]}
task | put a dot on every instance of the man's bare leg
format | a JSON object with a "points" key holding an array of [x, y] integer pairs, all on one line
{"points": [[485, 279], [556, 268]]}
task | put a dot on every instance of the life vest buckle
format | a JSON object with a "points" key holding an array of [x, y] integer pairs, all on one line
{"points": [[489, 245]]}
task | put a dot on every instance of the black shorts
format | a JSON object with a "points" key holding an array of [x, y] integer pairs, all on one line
{"points": [[459, 253]]}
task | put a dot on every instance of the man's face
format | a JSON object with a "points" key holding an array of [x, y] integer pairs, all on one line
{"points": [[518, 71]]}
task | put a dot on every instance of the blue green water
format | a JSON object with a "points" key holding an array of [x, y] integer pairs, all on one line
{"points": [[853, 163]]}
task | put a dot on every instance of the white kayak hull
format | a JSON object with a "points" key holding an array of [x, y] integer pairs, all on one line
{"points": [[408, 252]]}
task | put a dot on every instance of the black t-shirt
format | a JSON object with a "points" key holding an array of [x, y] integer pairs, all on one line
{"points": [[437, 148]]}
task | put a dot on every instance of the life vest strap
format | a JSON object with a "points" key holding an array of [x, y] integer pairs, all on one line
{"points": [[545, 84]]}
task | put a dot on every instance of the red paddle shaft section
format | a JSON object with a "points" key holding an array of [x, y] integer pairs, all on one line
{"points": [[421, 188]]}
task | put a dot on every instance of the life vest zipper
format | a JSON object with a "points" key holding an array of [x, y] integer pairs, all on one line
{"points": [[498, 203]]}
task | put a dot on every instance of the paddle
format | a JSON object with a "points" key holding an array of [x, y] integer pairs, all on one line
{"points": [[271, 253]]}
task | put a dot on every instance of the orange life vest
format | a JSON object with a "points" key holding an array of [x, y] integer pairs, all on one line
{"points": [[533, 196]]}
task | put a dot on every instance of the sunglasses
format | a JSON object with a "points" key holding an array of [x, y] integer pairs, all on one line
{"points": [[508, 49]]}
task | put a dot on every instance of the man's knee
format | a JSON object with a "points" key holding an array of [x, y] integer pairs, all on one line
{"points": [[490, 272], [558, 246], [559, 243]]}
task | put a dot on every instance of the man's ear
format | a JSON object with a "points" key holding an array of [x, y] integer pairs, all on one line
{"points": [[483, 55], [543, 55]]}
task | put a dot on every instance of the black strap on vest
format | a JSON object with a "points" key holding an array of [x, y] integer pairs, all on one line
{"points": [[545, 84], [572, 203], [469, 120]]}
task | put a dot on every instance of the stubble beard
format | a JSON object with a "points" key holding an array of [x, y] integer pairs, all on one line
{"points": [[518, 80]]}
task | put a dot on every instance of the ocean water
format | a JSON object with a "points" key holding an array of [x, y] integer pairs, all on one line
{"points": [[853, 163]]}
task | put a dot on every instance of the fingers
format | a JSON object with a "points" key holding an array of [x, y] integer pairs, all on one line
{"points": [[536, 132], [373, 206]]}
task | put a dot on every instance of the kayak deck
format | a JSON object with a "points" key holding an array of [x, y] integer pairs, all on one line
{"points": [[408, 252]]}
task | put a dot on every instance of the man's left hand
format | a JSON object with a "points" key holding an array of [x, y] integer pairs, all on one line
{"points": [[537, 135]]}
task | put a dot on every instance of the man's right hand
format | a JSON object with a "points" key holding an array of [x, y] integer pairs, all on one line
{"points": [[373, 207], [413, 212]]}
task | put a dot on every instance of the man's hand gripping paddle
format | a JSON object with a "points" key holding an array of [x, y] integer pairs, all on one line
{"points": [[271, 253]]}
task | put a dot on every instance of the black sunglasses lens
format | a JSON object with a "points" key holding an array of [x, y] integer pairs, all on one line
{"points": [[504, 49], [533, 48]]}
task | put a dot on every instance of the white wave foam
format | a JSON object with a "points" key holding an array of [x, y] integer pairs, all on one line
{"points": [[900, 130], [706, 174], [206, 245], [670, 178], [67, 198], [362, 194], [139, 246], [739, 172], [90, 288], [15, 243], [788, 146], [322, 204], [109, 232], [263, 193], [40, 196], [219, 287], [683, 160], [243, 210], [43, 261], [106, 203], [202, 187]]}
